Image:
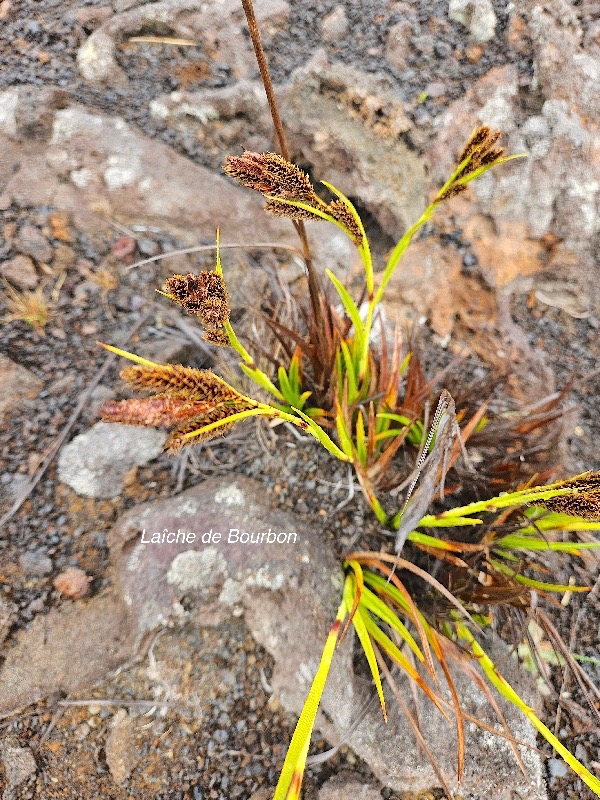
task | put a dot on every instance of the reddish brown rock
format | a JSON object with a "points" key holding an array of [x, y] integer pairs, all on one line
{"points": [[73, 583], [503, 249], [16, 384], [20, 271], [68, 649], [424, 284]]}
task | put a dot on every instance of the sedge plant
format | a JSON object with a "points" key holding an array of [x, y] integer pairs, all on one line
{"points": [[357, 417], [364, 400]]}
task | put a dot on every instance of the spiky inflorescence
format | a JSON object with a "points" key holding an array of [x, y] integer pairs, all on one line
{"points": [[279, 209], [176, 439], [196, 384], [187, 398], [271, 174], [583, 502], [203, 295], [481, 151], [217, 336], [275, 177], [160, 411], [343, 215]]}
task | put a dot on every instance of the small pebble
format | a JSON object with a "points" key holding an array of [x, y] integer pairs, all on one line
{"points": [[73, 582], [557, 767], [123, 246], [35, 564]]}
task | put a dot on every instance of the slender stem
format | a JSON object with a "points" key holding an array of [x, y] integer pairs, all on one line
{"points": [[266, 77], [278, 125]]}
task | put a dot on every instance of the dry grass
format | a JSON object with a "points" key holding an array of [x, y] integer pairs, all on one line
{"points": [[30, 306]]}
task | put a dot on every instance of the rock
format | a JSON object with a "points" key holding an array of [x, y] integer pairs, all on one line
{"points": [[17, 485], [490, 770], [95, 463], [288, 591], [73, 583], [567, 71], [555, 192], [96, 61], [97, 165], [20, 271], [504, 250], [341, 787], [122, 754], [335, 25], [346, 126], [397, 45], [100, 394], [220, 118], [262, 794], [69, 649], [148, 247], [64, 258], [16, 384], [426, 283], [35, 563], [9, 100], [62, 385], [35, 111], [31, 242], [557, 767], [7, 615], [436, 89], [477, 16], [123, 246], [218, 28], [18, 762]]}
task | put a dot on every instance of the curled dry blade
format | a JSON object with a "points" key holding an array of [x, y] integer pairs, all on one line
{"points": [[431, 469]]}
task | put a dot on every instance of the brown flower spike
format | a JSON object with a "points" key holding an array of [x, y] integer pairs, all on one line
{"points": [[187, 399], [203, 295], [273, 176], [481, 151], [342, 214], [584, 501]]}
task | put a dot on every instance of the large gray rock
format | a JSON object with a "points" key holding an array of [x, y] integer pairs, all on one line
{"points": [[286, 586], [95, 463], [92, 166], [392, 753]]}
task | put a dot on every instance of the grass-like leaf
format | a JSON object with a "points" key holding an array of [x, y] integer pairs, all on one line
{"points": [[290, 779], [507, 691]]}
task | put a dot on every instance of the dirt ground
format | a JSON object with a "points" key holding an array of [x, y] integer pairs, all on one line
{"points": [[218, 733]]}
